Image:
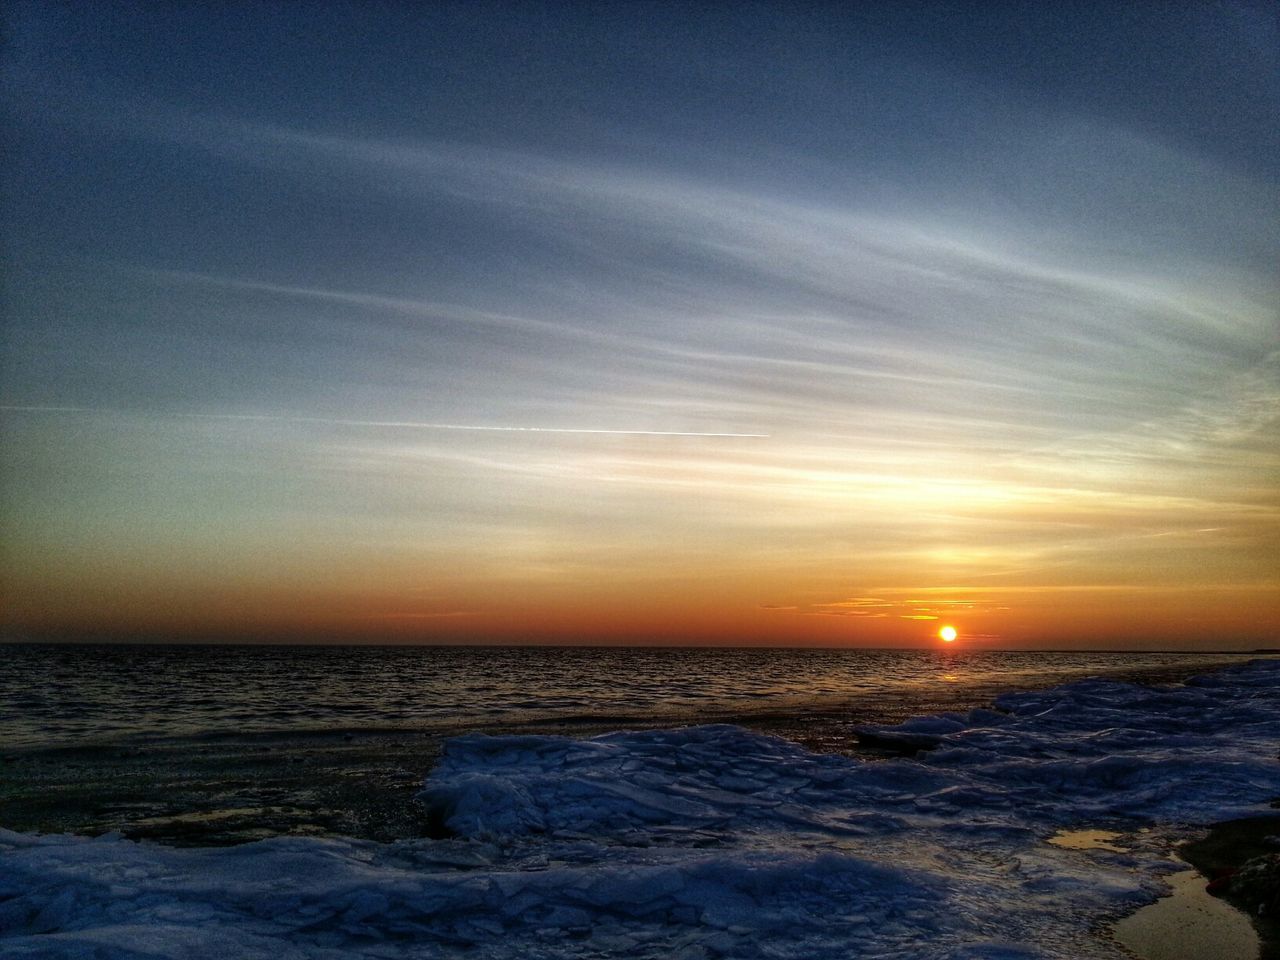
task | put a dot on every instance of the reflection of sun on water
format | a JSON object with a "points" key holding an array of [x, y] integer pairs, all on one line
{"points": [[947, 633]]}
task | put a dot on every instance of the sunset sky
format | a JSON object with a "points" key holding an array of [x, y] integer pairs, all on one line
{"points": [[836, 324]]}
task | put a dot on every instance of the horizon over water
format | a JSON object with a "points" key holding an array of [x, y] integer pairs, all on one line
{"points": [[220, 744], [66, 693]]}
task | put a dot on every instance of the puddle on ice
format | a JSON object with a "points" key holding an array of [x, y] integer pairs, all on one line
{"points": [[1189, 924], [1086, 840]]}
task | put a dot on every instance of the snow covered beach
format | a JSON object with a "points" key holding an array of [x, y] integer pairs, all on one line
{"points": [[709, 841]]}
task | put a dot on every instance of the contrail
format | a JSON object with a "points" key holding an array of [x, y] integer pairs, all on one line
{"points": [[397, 424]]}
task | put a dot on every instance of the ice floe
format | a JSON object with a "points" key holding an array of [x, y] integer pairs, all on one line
{"points": [[707, 842]]}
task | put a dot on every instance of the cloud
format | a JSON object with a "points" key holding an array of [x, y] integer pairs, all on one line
{"points": [[904, 608], [949, 400]]}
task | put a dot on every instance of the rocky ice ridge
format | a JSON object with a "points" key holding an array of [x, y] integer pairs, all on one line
{"points": [[707, 842]]}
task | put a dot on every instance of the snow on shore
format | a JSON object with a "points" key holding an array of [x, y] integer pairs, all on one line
{"points": [[706, 842]]}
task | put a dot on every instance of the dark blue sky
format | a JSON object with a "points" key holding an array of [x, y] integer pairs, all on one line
{"points": [[994, 284]]}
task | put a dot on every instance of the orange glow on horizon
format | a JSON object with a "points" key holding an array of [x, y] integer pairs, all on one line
{"points": [[390, 601]]}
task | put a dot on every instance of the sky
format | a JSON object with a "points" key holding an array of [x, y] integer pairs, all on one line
{"points": [[642, 323]]}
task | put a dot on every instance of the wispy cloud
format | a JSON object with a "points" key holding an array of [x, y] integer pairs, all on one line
{"points": [[897, 392], [394, 424]]}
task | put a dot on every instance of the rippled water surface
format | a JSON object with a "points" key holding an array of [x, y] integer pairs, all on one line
{"points": [[75, 694]]}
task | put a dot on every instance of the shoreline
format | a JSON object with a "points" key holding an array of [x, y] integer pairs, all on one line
{"points": [[1225, 848], [218, 788], [1203, 914]]}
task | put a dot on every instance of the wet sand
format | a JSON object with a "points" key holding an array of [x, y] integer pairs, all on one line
{"points": [[1189, 924], [1228, 846]]}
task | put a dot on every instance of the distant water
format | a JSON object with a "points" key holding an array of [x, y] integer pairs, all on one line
{"points": [[53, 695]]}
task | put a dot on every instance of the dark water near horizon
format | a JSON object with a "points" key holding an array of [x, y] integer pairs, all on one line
{"points": [[225, 744], [54, 694]]}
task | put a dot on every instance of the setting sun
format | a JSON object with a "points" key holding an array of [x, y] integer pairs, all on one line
{"points": [[947, 633]]}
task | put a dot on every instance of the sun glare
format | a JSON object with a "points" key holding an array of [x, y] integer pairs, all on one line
{"points": [[947, 633]]}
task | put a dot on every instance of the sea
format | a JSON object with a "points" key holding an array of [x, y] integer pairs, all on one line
{"points": [[503, 802], [217, 744], [72, 694]]}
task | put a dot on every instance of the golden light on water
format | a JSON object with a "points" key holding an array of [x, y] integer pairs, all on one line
{"points": [[947, 633]]}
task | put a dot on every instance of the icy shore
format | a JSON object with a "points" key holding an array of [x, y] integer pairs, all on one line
{"points": [[707, 842]]}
